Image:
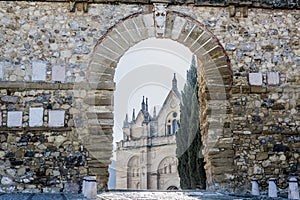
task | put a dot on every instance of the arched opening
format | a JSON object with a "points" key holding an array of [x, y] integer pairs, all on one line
{"points": [[171, 123], [167, 173], [133, 180], [153, 80], [172, 187], [214, 72]]}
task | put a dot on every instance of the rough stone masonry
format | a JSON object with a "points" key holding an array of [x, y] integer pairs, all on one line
{"points": [[56, 89]]}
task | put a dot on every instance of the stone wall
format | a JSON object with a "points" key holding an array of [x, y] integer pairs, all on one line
{"points": [[46, 144], [49, 60], [39, 150], [263, 116]]}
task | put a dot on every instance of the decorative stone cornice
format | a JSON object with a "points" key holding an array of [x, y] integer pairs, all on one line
{"points": [[82, 5]]}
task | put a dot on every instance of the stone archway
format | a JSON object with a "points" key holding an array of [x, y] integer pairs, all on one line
{"points": [[215, 82], [166, 167], [133, 174]]}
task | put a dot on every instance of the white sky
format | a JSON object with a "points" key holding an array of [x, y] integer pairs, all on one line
{"points": [[147, 69]]}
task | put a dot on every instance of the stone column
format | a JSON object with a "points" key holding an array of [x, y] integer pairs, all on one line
{"points": [[272, 188], [255, 189], [90, 187], [293, 188], [83, 186]]}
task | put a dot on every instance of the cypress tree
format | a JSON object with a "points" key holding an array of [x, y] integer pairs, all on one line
{"points": [[188, 139], [182, 140]]}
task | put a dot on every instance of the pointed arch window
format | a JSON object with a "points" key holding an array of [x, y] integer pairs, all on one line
{"points": [[174, 125], [169, 129]]}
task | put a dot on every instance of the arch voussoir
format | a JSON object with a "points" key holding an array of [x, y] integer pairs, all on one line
{"points": [[116, 41], [177, 27], [200, 41], [149, 24], [140, 27], [209, 45], [215, 52], [185, 32], [169, 26], [132, 30], [107, 54]]}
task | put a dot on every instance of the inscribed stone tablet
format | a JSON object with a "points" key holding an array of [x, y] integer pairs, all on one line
{"points": [[56, 118], [38, 70], [255, 79], [14, 118], [273, 78], [36, 116], [58, 73]]}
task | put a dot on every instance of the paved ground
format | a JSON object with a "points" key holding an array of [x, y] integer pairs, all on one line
{"points": [[21, 196], [178, 196], [145, 195]]}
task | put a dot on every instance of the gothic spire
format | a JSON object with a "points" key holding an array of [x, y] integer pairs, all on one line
{"points": [[126, 123], [147, 104], [154, 112], [143, 104], [174, 83], [133, 115]]}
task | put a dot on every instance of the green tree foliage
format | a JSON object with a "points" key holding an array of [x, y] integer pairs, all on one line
{"points": [[188, 139]]}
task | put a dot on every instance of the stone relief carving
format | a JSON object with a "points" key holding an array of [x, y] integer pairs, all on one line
{"points": [[160, 13]]}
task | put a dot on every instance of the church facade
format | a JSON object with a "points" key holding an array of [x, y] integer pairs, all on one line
{"points": [[146, 157]]}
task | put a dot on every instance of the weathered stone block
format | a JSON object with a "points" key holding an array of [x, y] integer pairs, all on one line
{"points": [[248, 46], [273, 78], [14, 118], [71, 188], [59, 73], [2, 67], [178, 26], [38, 70], [262, 156], [256, 79], [36, 116], [230, 47], [56, 118], [256, 89], [6, 181], [9, 99]]}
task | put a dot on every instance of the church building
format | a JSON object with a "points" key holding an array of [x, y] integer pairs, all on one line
{"points": [[146, 157]]}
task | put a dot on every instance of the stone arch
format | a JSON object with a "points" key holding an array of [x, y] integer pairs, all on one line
{"points": [[165, 163], [172, 187], [215, 77], [166, 167], [133, 178]]}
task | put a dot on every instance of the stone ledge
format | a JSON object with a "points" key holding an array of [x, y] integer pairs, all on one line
{"points": [[103, 85], [220, 3], [26, 129], [35, 85]]}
